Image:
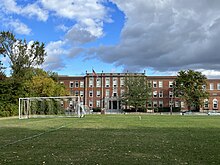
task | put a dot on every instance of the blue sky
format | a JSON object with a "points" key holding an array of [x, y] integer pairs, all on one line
{"points": [[159, 36]]}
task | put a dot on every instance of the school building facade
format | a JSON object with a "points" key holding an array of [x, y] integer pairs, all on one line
{"points": [[104, 90]]}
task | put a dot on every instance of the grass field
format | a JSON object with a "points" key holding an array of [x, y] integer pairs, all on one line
{"points": [[111, 139]]}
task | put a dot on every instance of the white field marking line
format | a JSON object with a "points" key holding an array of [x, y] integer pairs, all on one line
{"points": [[35, 136]]}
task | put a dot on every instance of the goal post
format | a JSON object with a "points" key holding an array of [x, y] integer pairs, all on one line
{"points": [[66, 106]]}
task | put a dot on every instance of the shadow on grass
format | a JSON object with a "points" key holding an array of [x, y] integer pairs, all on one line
{"points": [[140, 145]]}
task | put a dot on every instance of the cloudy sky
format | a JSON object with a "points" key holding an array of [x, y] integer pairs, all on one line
{"points": [[159, 36]]}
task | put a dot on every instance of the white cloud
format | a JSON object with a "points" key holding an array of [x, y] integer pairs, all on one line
{"points": [[31, 10], [88, 14], [19, 27], [166, 35], [34, 10], [55, 52]]}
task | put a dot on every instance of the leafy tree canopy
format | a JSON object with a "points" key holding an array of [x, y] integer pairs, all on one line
{"points": [[22, 55], [189, 86], [136, 91]]}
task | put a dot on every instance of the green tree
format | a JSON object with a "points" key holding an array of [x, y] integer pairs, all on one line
{"points": [[43, 84], [189, 87], [136, 91], [22, 55]]}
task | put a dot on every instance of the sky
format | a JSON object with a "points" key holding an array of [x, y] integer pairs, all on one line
{"points": [[160, 37]]}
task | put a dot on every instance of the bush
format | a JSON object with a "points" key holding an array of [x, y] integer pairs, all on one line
{"points": [[8, 109], [96, 109], [167, 109]]}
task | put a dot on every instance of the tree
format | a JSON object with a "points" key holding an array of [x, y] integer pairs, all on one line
{"points": [[22, 55], [189, 86], [136, 91], [42, 84]]}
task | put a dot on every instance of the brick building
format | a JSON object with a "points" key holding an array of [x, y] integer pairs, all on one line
{"points": [[103, 90]]}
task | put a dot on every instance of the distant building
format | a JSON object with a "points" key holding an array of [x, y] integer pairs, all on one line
{"points": [[104, 90]]}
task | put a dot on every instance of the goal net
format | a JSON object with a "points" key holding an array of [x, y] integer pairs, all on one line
{"points": [[68, 106]]}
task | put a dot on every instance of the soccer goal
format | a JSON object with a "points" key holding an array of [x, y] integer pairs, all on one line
{"points": [[65, 106]]}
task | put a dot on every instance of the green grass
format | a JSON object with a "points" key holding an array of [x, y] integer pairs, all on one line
{"points": [[111, 139]]}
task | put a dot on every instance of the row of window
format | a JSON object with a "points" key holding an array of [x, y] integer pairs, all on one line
{"points": [[159, 84], [107, 82], [160, 104], [160, 94], [212, 86], [214, 104]]}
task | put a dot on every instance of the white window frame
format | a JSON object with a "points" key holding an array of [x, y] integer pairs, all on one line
{"points": [[90, 93], [71, 84], [76, 84], [161, 94], [98, 82], [91, 82], [215, 102], [160, 84], [211, 86], [81, 84], [107, 93], [170, 84], [98, 93], [81, 93], [154, 84], [122, 81], [107, 82], [155, 94], [98, 103]]}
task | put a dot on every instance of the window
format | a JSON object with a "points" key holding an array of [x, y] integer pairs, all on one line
{"points": [[115, 92], [90, 82], [98, 82], [154, 84], [71, 103], [115, 82], [206, 104], [160, 94], [76, 93], [71, 84], [90, 93], [81, 84], [155, 104], [81, 93], [161, 103], [170, 94], [215, 103], [160, 84], [155, 94], [90, 103], [218, 86], [98, 103], [98, 93], [170, 84], [182, 104], [107, 93], [177, 104], [76, 84], [211, 86], [170, 103], [122, 81], [107, 82]]}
